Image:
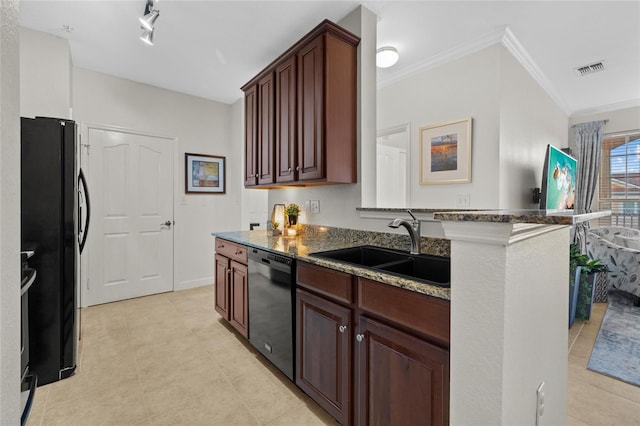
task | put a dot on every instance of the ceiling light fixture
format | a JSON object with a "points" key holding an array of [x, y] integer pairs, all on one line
{"points": [[386, 57], [150, 16]]}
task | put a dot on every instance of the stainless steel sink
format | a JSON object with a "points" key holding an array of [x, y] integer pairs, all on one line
{"points": [[426, 268]]}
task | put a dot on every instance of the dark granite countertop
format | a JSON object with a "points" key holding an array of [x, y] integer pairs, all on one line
{"points": [[543, 217], [318, 238]]}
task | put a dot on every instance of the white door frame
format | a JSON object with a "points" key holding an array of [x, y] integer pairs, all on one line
{"points": [[84, 148]]}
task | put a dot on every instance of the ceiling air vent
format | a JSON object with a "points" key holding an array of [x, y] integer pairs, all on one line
{"points": [[590, 69]]}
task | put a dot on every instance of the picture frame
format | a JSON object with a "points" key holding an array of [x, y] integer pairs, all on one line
{"points": [[445, 152], [204, 174]]}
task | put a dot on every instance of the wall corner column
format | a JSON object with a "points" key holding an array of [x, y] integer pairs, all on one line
{"points": [[509, 298]]}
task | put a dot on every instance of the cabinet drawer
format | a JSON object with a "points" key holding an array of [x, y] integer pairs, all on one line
{"points": [[424, 314], [231, 250], [327, 282]]}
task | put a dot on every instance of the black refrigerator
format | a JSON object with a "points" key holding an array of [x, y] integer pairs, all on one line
{"points": [[50, 228]]}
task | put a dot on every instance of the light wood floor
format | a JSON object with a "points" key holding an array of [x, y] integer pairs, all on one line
{"points": [[595, 399], [170, 360]]}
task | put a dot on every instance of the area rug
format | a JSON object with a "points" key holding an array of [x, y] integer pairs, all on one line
{"points": [[616, 352]]}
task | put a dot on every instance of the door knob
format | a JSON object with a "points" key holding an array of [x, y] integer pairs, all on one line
{"points": [[167, 224]]}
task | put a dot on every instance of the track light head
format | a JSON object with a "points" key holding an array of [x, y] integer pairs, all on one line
{"points": [[147, 37], [148, 20]]}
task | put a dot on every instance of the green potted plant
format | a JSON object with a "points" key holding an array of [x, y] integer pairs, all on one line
{"points": [[582, 275], [275, 226], [292, 210]]}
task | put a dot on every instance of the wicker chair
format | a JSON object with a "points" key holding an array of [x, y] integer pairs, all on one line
{"points": [[619, 249]]}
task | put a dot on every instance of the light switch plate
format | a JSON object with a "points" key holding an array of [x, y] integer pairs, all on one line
{"points": [[314, 206]]}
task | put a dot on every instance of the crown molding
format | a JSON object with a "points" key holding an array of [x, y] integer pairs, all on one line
{"points": [[445, 57], [503, 36], [513, 45], [631, 103]]}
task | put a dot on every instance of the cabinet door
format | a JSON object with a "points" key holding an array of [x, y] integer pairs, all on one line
{"points": [[323, 353], [222, 286], [266, 134], [311, 110], [251, 136], [402, 380], [286, 121], [239, 297]]}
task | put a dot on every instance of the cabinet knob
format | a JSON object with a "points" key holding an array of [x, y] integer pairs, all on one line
{"points": [[359, 337], [342, 328], [298, 168], [289, 170], [256, 175]]}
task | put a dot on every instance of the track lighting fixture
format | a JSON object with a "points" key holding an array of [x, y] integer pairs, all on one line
{"points": [[147, 37], [148, 21]]}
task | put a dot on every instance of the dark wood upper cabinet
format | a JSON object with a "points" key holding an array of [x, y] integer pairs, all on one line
{"points": [[311, 110], [266, 133], [314, 112], [286, 149], [251, 136]]}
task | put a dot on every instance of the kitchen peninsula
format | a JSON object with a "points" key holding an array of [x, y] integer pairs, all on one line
{"points": [[508, 308]]}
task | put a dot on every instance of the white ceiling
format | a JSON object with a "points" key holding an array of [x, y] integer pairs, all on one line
{"points": [[211, 48]]}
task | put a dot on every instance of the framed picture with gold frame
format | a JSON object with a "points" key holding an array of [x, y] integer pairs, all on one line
{"points": [[445, 152]]}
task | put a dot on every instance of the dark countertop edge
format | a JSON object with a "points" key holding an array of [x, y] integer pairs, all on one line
{"points": [[413, 209], [411, 285], [542, 217]]}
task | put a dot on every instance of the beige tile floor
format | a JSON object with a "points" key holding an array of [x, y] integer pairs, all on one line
{"points": [[169, 359]]}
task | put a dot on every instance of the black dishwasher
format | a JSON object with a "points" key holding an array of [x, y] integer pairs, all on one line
{"points": [[271, 308]]}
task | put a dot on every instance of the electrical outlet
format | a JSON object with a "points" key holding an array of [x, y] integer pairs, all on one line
{"points": [[463, 200], [539, 403], [314, 206]]}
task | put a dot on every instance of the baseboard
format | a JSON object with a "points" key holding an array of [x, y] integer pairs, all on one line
{"points": [[184, 285]]}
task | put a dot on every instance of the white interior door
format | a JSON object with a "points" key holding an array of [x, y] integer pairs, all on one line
{"points": [[131, 237]]}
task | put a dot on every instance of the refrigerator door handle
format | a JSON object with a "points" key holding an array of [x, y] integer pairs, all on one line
{"points": [[85, 188]]}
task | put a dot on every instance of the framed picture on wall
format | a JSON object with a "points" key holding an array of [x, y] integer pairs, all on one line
{"points": [[204, 174], [445, 153]]}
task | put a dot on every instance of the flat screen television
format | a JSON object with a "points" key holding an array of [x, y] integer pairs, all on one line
{"points": [[558, 180]]}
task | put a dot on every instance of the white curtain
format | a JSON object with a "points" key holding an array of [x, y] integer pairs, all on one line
{"points": [[588, 148]]}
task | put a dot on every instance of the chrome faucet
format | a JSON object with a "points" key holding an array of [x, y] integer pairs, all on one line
{"points": [[414, 231]]}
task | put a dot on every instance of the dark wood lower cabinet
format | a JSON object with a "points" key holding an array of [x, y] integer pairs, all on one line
{"points": [[222, 286], [239, 313], [324, 353], [232, 285], [390, 368], [401, 380]]}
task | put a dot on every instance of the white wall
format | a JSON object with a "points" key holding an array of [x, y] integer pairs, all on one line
{"points": [[529, 120], [200, 126], [9, 214], [467, 87], [45, 75]]}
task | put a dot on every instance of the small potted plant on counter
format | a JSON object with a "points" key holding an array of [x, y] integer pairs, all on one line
{"points": [[292, 212], [275, 226]]}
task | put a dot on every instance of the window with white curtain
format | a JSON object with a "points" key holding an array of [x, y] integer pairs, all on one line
{"points": [[620, 179]]}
